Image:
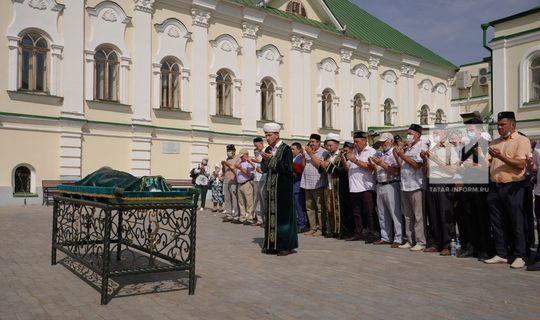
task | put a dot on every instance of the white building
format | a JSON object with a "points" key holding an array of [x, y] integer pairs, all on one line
{"points": [[151, 87]]}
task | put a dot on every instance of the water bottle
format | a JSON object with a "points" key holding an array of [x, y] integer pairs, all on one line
{"points": [[453, 248], [458, 248]]}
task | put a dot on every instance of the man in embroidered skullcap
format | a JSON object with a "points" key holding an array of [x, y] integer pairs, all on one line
{"points": [[336, 192], [280, 235], [507, 163]]}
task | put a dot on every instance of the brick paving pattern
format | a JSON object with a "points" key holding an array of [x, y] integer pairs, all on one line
{"points": [[326, 279]]}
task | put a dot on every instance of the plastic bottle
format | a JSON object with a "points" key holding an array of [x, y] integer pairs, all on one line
{"points": [[458, 247], [453, 248]]}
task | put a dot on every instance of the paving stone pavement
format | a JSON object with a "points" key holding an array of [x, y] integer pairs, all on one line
{"points": [[326, 279]]}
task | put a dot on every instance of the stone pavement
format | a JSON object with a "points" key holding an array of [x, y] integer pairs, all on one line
{"points": [[326, 279]]}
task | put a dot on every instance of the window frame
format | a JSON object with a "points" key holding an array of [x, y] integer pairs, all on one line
{"points": [[327, 99], [28, 182], [33, 69], [224, 85], [531, 84], [387, 109], [106, 81], [424, 112], [357, 112], [268, 99], [296, 7], [174, 95]]}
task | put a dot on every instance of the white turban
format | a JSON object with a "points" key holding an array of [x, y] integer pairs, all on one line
{"points": [[271, 127], [332, 136]]}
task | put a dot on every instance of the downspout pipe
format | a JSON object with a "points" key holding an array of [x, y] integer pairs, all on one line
{"points": [[484, 27]]}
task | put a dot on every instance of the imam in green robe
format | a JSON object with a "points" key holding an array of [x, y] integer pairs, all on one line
{"points": [[280, 232], [338, 221]]}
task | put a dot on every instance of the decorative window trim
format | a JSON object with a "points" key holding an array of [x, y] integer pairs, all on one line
{"points": [[363, 111], [525, 80], [393, 112], [296, 7], [32, 178], [35, 97]]}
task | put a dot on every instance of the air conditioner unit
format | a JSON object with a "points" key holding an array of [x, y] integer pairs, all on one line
{"points": [[463, 80], [483, 76]]}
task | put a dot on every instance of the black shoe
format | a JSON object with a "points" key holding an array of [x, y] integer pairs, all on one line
{"points": [[236, 222], [354, 238], [482, 256], [534, 267]]}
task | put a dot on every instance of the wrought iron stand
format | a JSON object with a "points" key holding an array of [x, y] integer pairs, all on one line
{"points": [[144, 238]]}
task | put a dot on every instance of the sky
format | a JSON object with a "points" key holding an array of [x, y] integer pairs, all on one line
{"points": [[450, 28]]}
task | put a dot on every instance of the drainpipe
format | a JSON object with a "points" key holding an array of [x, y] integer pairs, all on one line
{"points": [[484, 27]]}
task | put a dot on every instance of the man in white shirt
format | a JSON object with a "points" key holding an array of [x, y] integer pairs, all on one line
{"points": [[362, 189], [258, 181], [388, 193], [412, 182]]}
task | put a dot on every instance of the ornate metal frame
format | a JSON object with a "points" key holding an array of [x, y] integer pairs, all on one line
{"points": [[146, 238]]}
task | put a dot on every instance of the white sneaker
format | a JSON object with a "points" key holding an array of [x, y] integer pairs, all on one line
{"points": [[418, 247], [406, 245], [518, 263], [201, 209], [496, 259]]}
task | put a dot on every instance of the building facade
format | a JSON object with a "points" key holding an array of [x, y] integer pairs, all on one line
{"points": [[152, 86]]}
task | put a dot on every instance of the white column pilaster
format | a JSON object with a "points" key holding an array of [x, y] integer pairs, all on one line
{"points": [[55, 80], [89, 75], [156, 85], [184, 104], [296, 88], [250, 108], [201, 71], [13, 55], [71, 149], [404, 92], [498, 76], [346, 112], [306, 81], [374, 92], [124, 81], [141, 146], [142, 60]]}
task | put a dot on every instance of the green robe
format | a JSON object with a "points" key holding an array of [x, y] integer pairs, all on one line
{"points": [[280, 230], [338, 219]]}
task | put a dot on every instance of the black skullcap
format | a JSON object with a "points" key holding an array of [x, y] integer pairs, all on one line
{"points": [[416, 127], [231, 147], [397, 138], [377, 145], [258, 139], [315, 136], [473, 121], [348, 144], [360, 134], [506, 115]]}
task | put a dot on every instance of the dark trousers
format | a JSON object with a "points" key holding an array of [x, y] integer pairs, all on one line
{"points": [[299, 208], [440, 201], [202, 191], [476, 226], [528, 211], [505, 202], [537, 215], [363, 209]]}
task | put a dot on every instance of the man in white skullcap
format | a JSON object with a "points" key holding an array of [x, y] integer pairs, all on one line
{"points": [[280, 236], [336, 192]]}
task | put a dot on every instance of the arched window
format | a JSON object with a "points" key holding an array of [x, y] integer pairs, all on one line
{"points": [[171, 71], [297, 8], [439, 116], [424, 115], [388, 112], [357, 112], [535, 80], [224, 85], [22, 180], [106, 74], [267, 100], [33, 62], [327, 101]]}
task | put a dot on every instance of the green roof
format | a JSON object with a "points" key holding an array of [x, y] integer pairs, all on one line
{"points": [[362, 26]]}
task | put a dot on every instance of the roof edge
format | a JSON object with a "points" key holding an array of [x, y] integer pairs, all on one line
{"points": [[515, 16]]}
